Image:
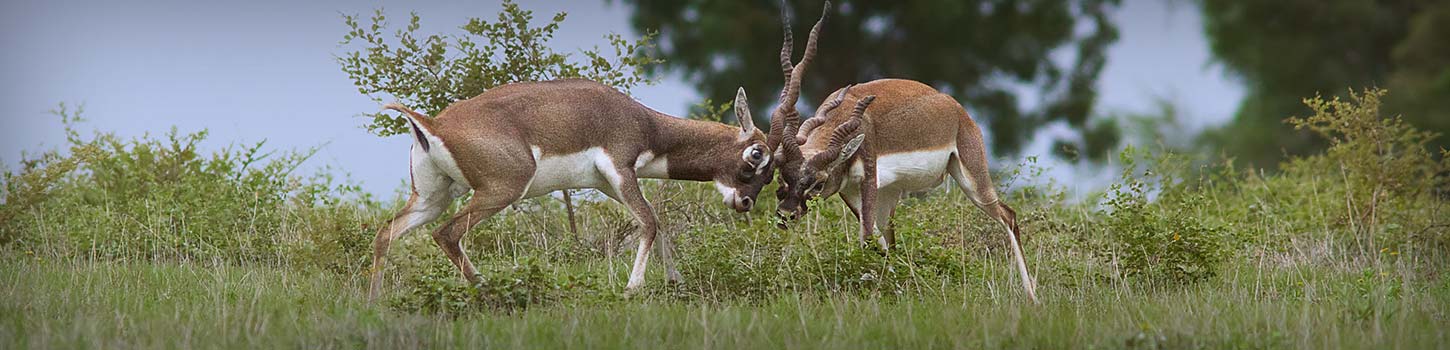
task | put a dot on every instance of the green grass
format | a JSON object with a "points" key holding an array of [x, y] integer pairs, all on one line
{"points": [[149, 244], [80, 304]]}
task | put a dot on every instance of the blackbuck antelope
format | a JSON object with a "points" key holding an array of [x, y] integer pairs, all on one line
{"points": [[528, 139], [902, 137]]}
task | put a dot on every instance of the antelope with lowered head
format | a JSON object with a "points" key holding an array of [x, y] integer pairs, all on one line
{"points": [[902, 137], [524, 140], [528, 139]]}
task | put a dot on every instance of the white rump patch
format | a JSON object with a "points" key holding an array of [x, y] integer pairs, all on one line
{"points": [[435, 171]]}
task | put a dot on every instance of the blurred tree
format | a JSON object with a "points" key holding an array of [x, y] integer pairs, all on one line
{"points": [[427, 73], [980, 51], [1289, 50], [1421, 76]]}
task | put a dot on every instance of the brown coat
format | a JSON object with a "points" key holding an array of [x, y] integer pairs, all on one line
{"points": [[527, 139], [902, 137]]}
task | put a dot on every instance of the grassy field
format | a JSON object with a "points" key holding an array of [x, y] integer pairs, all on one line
{"points": [[149, 243], [83, 304]]}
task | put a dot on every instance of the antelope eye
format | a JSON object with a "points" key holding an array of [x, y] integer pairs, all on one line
{"points": [[818, 187], [756, 154]]}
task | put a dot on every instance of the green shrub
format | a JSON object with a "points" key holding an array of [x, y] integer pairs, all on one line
{"points": [[1380, 166], [505, 289], [1166, 240], [161, 198]]}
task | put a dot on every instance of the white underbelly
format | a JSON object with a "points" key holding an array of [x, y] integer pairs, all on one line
{"points": [[591, 168], [568, 171], [912, 171]]}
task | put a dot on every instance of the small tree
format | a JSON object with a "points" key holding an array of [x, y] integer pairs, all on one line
{"points": [[427, 73], [430, 73]]}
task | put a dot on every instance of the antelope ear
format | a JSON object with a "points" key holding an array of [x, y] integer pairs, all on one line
{"points": [[742, 113], [848, 150]]}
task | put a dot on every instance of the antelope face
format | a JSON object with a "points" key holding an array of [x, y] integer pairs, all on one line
{"points": [[813, 180], [790, 203], [741, 178], [818, 172]]}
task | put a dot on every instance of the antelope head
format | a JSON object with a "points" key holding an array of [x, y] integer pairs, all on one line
{"points": [[785, 120], [819, 171], [745, 176]]}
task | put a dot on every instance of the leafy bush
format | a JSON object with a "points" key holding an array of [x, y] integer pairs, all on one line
{"points": [[149, 198], [1378, 162], [1376, 186], [507, 289], [1164, 240]]}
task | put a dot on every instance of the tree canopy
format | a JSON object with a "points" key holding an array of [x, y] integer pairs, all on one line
{"points": [[1287, 50], [981, 52]]}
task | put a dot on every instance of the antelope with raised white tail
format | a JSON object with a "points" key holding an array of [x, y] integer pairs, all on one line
{"points": [[902, 137], [528, 139]]}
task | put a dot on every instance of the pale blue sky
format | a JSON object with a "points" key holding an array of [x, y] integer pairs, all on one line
{"points": [[264, 70]]}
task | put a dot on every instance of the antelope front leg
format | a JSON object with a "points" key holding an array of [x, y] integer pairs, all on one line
{"points": [[868, 199], [626, 189]]}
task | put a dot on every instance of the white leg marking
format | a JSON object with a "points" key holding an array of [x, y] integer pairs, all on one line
{"points": [[959, 175], [641, 261], [648, 166], [964, 181], [1027, 282], [605, 167], [424, 213], [537, 154]]}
